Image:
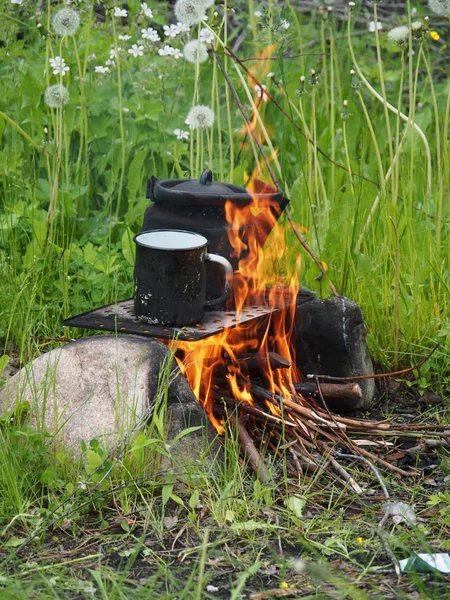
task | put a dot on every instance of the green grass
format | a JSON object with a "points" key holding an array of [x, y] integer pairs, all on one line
{"points": [[72, 195]]}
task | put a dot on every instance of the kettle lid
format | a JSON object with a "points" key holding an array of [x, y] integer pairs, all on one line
{"points": [[200, 192]]}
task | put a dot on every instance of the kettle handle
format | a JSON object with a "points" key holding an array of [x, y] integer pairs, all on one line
{"points": [[206, 177], [151, 183]]}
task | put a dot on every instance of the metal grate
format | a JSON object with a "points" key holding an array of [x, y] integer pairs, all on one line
{"points": [[120, 319]]}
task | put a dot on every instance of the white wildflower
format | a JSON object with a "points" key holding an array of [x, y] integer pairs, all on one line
{"points": [[372, 26], [150, 34], [120, 12], [177, 53], [189, 12], [59, 66], [113, 52], [195, 51], [100, 69], [200, 117], [440, 7], [181, 135], [146, 10], [166, 51], [171, 30], [110, 63], [206, 36], [56, 96], [124, 37], [136, 50], [91, 57], [16, 1], [183, 27], [66, 22], [125, 109], [258, 14], [285, 24], [399, 35], [262, 93]]}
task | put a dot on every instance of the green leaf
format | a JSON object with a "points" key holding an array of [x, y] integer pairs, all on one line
{"points": [[296, 505], [142, 441], [94, 460], [251, 525], [166, 493], [128, 247], [176, 499], [135, 179], [194, 499], [4, 360], [125, 526], [14, 542], [185, 432]]}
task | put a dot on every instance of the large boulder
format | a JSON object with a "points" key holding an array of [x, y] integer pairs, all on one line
{"points": [[330, 339], [105, 387]]}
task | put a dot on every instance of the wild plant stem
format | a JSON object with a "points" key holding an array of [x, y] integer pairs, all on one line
{"points": [[394, 110], [440, 177], [374, 142], [227, 93], [23, 133], [396, 295], [383, 87], [121, 123]]}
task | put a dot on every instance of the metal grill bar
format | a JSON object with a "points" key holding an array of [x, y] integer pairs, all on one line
{"points": [[120, 318]]}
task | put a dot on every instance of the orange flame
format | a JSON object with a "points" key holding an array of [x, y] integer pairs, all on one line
{"points": [[264, 277]]}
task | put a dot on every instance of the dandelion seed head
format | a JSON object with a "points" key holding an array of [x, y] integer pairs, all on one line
{"points": [[440, 7], [200, 117], [195, 51], [399, 35], [56, 96], [189, 12], [66, 22], [416, 25]]}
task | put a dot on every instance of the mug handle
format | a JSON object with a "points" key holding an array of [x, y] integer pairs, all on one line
{"points": [[220, 260]]}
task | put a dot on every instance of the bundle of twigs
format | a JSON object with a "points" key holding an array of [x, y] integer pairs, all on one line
{"points": [[312, 438]]}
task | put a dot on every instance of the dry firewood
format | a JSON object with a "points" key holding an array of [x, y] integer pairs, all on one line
{"points": [[309, 413], [344, 474], [251, 453], [336, 391], [251, 409], [426, 444]]}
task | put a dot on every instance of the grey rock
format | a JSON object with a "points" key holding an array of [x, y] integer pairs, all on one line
{"points": [[330, 339], [105, 387]]}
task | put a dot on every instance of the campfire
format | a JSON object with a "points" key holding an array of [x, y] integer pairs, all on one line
{"points": [[228, 365]]}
